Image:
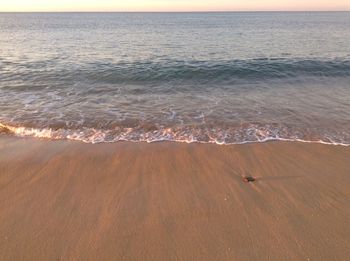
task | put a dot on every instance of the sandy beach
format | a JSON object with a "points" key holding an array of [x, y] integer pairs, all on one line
{"points": [[63, 200]]}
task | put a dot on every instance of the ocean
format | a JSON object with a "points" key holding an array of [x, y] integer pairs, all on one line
{"points": [[225, 78]]}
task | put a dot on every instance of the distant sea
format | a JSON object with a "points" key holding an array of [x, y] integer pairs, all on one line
{"points": [[221, 78]]}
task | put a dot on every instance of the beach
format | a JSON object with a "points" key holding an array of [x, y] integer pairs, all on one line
{"points": [[66, 200], [174, 135]]}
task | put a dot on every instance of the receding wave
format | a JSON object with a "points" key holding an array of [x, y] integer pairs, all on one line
{"points": [[250, 133]]}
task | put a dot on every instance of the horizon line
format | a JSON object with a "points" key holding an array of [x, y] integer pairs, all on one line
{"points": [[194, 11]]}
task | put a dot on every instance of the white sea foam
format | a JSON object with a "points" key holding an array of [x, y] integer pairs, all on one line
{"points": [[90, 135]]}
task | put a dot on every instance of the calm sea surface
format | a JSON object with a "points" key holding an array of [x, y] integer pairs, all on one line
{"points": [[208, 77]]}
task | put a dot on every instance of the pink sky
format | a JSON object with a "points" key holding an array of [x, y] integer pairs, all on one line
{"points": [[173, 5]]}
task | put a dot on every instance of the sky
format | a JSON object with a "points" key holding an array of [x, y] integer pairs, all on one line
{"points": [[172, 5]]}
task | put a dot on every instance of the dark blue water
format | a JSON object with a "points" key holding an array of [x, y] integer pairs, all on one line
{"points": [[208, 77]]}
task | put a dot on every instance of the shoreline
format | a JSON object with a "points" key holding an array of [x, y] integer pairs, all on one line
{"points": [[168, 200], [97, 137]]}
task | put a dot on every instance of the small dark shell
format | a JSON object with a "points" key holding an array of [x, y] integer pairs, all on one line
{"points": [[248, 179]]}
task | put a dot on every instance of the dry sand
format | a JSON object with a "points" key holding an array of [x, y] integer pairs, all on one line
{"points": [[168, 201]]}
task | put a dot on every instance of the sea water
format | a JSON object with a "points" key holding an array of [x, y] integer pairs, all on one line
{"points": [[222, 78]]}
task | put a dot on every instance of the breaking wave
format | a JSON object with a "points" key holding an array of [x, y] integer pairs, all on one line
{"points": [[181, 71], [229, 71]]}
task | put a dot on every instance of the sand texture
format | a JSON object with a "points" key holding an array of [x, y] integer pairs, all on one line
{"points": [[169, 201]]}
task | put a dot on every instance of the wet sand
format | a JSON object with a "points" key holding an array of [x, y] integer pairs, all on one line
{"points": [[168, 201]]}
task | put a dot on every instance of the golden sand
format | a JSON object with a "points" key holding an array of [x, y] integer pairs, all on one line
{"points": [[168, 201]]}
